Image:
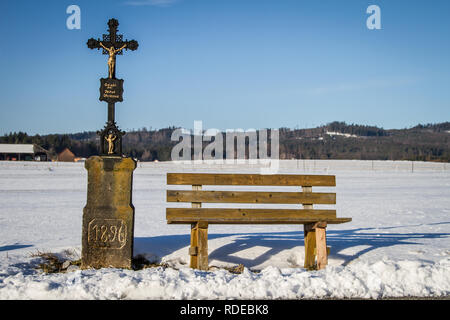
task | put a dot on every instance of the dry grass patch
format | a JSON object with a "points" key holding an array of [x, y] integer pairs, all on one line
{"points": [[140, 262], [53, 263]]}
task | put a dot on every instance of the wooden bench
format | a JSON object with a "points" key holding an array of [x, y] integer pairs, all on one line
{"points": [[314, 220]]}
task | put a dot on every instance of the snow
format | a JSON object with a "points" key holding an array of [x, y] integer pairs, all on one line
{"points": [[397, 245], [347, 135]]}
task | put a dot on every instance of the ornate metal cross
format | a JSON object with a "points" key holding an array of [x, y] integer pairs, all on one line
{"points": [[111, 89], [114, 40]]}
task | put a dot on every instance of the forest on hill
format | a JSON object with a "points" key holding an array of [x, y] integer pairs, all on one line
{"points": [[335, 140]]}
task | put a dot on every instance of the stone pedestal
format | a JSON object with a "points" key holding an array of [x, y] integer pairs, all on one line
{"points": [[108, 217]]}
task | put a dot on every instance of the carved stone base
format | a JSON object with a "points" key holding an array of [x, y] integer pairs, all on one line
{"points": [[108, 217]]}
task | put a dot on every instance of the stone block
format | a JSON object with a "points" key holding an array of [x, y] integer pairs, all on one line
{"points": [[108, 217]]}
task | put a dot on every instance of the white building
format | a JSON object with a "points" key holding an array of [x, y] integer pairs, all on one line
{"points": [[17, 152]]}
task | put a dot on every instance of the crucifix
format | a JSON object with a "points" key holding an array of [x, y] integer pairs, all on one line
{"points": [[111, 88]]}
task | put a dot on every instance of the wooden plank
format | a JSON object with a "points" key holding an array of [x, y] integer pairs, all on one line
{"points": [[250, 179], [321, 245], [310, 246], [240, 221], [245, 216], [250, 197]]}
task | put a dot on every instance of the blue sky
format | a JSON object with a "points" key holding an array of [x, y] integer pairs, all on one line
{"points": [[230, 63]]}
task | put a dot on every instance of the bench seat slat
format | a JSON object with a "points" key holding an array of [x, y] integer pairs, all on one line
{"points": [[250, 179], [250, 197], [251, 216]]}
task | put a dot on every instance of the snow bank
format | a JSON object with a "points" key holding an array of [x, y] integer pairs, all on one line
{"points": [[382, 279], [397, 245]]}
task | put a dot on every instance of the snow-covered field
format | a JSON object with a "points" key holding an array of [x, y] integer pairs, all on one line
{"points": [[397, 245]]}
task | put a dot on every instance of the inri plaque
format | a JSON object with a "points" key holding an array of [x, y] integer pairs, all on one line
{"points": [[111, 90]]}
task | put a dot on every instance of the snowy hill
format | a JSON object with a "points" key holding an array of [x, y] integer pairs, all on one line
{"points": [[398, 243]]}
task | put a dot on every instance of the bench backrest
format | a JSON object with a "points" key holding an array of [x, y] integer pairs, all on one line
{"points": [[214, 215], [251, 179]]}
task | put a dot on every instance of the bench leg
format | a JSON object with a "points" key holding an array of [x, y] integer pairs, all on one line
{"points": [[310, 245], [199, 245], [315, 244], [321, 244]]}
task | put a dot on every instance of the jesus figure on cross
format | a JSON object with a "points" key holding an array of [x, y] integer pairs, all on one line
{"points": [[112, 57], [110, 139]]}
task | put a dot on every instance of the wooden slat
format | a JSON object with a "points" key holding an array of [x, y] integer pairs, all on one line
{"points": [[250, 197], [251, 216], [250, 179]]}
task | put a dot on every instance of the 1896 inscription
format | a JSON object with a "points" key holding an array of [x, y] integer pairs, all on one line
{"points": [[107, 233]]}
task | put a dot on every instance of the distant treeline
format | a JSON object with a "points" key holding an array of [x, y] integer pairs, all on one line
{"points": [[55, 143], [336, 140]]}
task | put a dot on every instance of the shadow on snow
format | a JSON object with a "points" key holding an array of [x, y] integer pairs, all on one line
{"points": [[338, 240], [15, 247]]}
